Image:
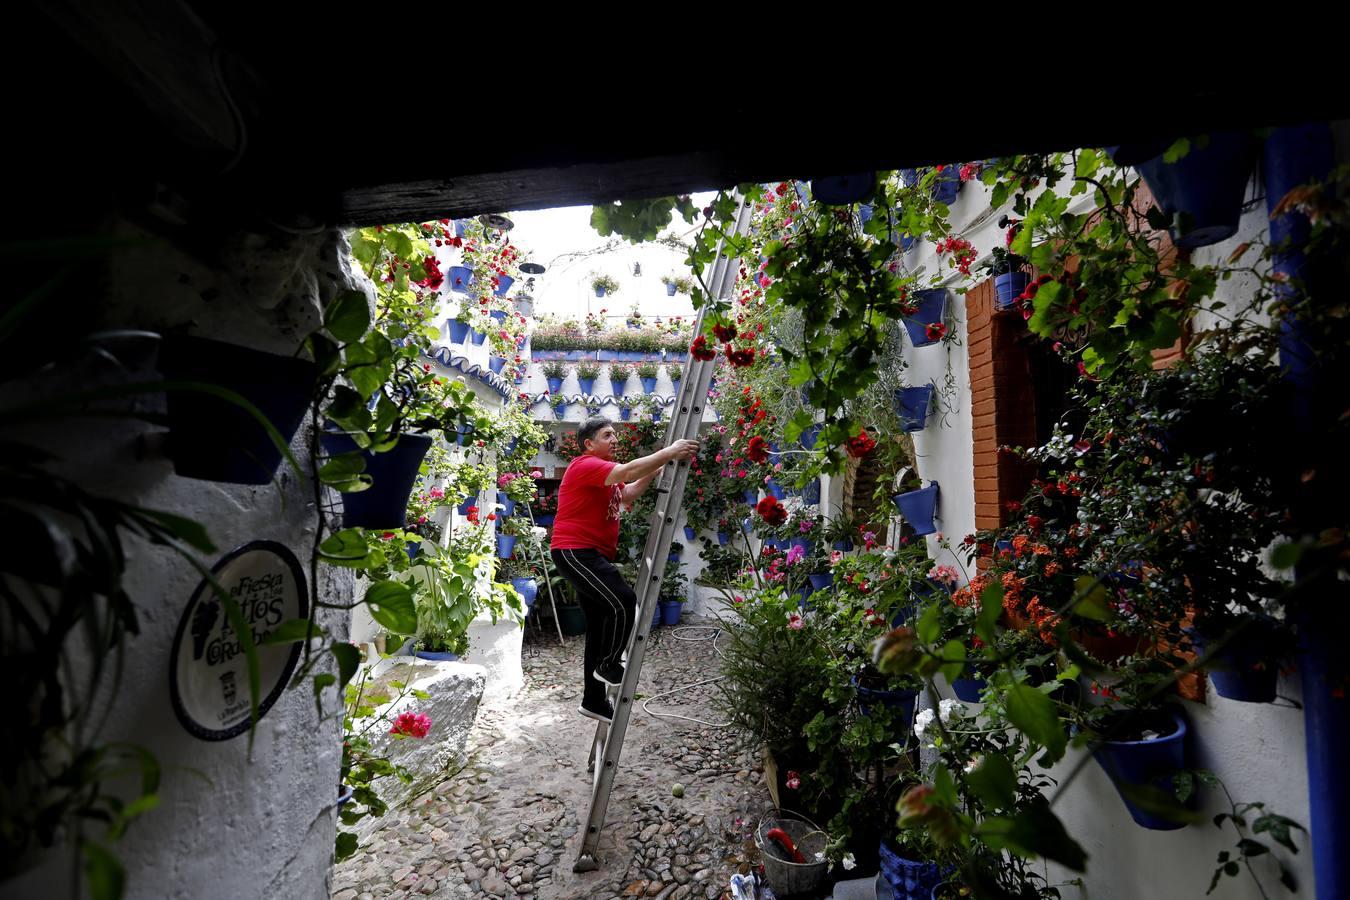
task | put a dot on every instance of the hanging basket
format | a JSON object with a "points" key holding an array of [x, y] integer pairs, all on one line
{"points": [[506, 545], [1151, 763], [648, 385], [919, 508], [1008, 287], [839, 190], [670, 290], [913, 405], [1203, 191], [932, 308], [383, 505], [587, 385], [477, 337], [460, 278], [554, 385], [458, 330], [215, 440]]}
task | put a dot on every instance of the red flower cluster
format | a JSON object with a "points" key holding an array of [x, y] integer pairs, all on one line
{"points": [[963, 253], [725, 333], [434, 277], [757, 449], [771, 511], [935, 331], [860, 444], [701, 350], [741, 358]]}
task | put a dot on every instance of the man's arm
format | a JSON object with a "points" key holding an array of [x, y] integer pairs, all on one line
{"points": [[650, 465], [636, 489]]}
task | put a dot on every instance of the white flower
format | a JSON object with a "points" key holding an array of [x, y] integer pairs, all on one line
{"points": [[922, 720], [849, 862], [974, 763], [950, 709]]}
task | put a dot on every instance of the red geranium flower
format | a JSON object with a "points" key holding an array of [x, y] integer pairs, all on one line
{"points": [[935, 331], [758, 449], [725, 333], [741, 358], [771, 511], [701, 350], [860, 444]]}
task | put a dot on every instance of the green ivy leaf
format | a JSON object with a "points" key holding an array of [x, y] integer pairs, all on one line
{"points": [[1091, 599], [1033, 714], [928, 627], [346, 845], [348, 316], [954, 652], [391, 604], [1177, 151], [1286, 556], [348, 661]]}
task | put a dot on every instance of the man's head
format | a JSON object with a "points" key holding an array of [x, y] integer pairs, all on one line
{"points": [[597, 437]]}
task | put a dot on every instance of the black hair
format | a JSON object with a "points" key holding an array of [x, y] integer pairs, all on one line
{"points": [[590, 428]]}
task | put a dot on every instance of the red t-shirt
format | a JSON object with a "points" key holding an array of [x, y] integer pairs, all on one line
{"points": [[588, 509]]}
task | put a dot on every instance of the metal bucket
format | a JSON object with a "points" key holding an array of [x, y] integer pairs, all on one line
{"points": [[784, 876]]}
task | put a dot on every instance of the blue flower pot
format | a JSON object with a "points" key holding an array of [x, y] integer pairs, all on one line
{"points": [[805, 543], [508, 505], [1148, 762], [414, 549], [466, 504], [969, 689], [838, 190], [436, 655], [648, 385], [843, 546], [213, 439], [460, 226], [808, 437], [932, 308], [689, 533], [864, 213], [599, 292], [1242, 668], [656, 615], [750, 497], [821, 581], [656, 415], [546, 519], [496, 364], [383, 505], [460, 278], [722, 538], [458, 330], [919, 507], [670, 290], [912, 404], [554, 385], [624, 413], [811, 491], [497, 315], [1204, 189], [1008, 287], [947, 185], [504, 283], [506, 545], [670, 612], [903, 701], [675, 385], [630, 355], [477, 337], [908, 879], [587, 385], [528, 589], [775, 490]]}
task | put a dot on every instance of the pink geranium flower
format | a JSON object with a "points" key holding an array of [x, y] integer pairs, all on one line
{"points": [[411, 724], [795, 622]]}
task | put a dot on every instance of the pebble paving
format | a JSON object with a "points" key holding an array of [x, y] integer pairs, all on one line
{"points": [[509, 823]]}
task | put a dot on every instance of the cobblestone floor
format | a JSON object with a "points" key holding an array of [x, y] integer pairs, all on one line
{"points": [[509, 823]]}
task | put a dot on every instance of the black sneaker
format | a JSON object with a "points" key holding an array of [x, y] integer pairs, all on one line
{"points": [[604, 712], [609, 673]]}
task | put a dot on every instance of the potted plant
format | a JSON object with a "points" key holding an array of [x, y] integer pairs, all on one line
{"points": [[674, 589], [603, 284], [674, 371], [457, 329], [634, 320], [913, 405], [923, 313], [461, 277], [1010, 275], [555, 372], [618, 377], [587, 372], [840, 190], [626, 405], [647, 373]]}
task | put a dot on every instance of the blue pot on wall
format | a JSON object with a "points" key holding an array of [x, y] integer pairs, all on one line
{"points": [[504, 283], [460, 226], [383, 505], [750, 497], [811, 491], [458, 330], [969, 689], [689, 533], [460, 278], [554, 385], [466, 504], [496, 364], [932, 307], [919, 507], [1204, 189], [599, 292], [722, 538], [1242, 669], [587, 385], [508, 505], [546, 519], [909, 879], [670, 290], [902, 701], [675, 385], [1147, 763], [1008, 287], [821, 581], [947, 185], [477, 337], [528, 589], [838, 190], [912, 404], [775, 490], [506, 545], [656, 616], [808, 437], [648, 385], [498, 316], [624, 413], [213, 439]]}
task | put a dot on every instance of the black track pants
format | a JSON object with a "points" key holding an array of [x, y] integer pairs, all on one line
{"points": [[609, 604]]}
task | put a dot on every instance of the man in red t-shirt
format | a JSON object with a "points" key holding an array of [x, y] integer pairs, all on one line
{"points": [[585, 540]]}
